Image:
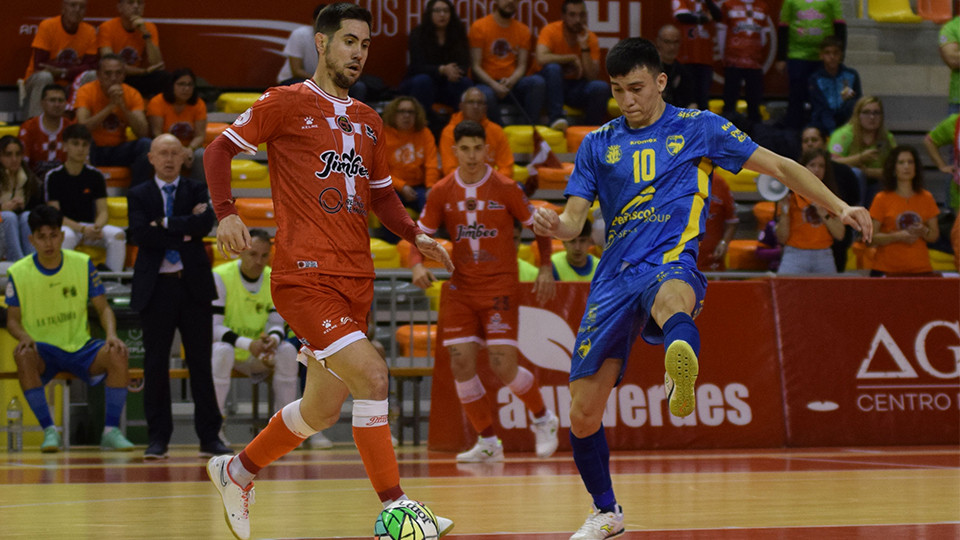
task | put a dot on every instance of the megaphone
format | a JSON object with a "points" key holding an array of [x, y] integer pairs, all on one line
{"points": [[770, 188]]}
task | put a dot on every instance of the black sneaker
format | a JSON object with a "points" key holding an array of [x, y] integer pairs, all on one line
{"points": [[155, 451], [216, 448]]}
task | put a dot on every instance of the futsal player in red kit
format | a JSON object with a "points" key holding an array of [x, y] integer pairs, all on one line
{"points": [[328, 170]]}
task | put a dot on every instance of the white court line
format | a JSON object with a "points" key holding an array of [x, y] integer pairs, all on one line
{"points": [[898, 465]]}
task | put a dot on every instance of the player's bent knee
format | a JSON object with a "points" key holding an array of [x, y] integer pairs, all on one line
{"points": [[584, 422]]}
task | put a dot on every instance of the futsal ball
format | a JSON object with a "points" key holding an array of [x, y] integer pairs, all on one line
{"points": [[406, 520]]}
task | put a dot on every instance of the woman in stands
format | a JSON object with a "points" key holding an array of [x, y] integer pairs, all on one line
{"points": [[411, 151], [806, 230], [180, 112], [20, 190], [904, 217], [864, 143]]}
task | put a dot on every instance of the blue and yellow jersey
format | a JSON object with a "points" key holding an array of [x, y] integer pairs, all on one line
{"points": [[653, 183]]}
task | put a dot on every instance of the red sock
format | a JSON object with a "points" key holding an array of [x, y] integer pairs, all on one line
{"points": [[372, 435], [275, 441]]}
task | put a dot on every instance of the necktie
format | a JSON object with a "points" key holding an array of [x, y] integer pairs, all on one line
{"points": [[172, 255]]}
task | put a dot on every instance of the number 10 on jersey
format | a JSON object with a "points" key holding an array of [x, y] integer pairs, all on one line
{"points": [[644, 165]]}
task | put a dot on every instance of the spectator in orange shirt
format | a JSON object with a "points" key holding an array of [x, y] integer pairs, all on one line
{"points": [[904, 217], [473, 106], [107, 106], [64, 51], [411, 151], [720, 227], [500, 57], [569, 54], [696, 52], [806, 230], [42, 136], [180, 112], [136, 41]]}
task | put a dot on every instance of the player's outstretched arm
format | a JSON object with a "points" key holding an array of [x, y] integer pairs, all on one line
{"points": [[802, 181], [565, 226], [432, 249]]}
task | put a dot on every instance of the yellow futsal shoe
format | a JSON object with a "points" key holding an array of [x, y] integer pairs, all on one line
{"points": [[678, 382]]}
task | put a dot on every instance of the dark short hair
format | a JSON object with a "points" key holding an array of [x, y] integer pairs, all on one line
{"points": [[889, 180], [587, 229], [331, 18], [42, 215], [52, 88], [566, 3], [632, 53], [831, 41], [168, 94], [468, 128], [111, 56], [316, 11], [77, 131], [261, 234]]}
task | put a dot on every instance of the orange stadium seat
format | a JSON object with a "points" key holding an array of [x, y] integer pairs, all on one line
{"points": [[575, 135], [236, 102], [256, 212], [537, 203], [742, 255], [214, 129], [520, 138], [763, 211], [412, 339], [117, 177], [384, 254], [403, 248], [938, 11], [553, 178]]}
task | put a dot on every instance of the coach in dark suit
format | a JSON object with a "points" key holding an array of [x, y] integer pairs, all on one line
{"points": [[172, 289]]}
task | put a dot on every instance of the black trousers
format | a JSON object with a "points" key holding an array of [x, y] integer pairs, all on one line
{"points": [[172, 307]]}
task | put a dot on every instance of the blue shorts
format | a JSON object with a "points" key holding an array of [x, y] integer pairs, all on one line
{"points": [[618, 309], [77, 363]]}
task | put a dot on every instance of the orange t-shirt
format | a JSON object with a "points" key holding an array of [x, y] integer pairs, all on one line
{"points": [[807, 230], [722, 210], [479, 219], [499, 154], [551, 36], [500, 46], [895, 213], [65, 49], [40, 146], [412, 157], [130, 45], [181, 124], [113, 129], [696, 45]]}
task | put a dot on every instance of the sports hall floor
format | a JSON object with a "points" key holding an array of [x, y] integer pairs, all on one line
{"points": [[831, 493]]}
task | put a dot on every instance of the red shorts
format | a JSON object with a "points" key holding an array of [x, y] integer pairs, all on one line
{"points": [[489, 320], [326, 312]]}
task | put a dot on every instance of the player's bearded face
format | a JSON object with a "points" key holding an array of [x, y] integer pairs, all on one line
{"points": [[346, 53]]}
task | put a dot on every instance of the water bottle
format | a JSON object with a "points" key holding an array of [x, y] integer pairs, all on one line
{"points": [[14, 425]]}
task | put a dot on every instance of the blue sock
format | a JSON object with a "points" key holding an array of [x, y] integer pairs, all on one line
{"points": [[681, 326], [115, 399], [592, 456], [38, 404]]}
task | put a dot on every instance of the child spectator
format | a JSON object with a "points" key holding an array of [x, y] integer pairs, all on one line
{"points": [[576, 263], [834, 88]]}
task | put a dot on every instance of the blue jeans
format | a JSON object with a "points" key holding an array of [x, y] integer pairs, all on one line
{"points": [[16, 234], [807, 261], [428, 90], [590, 96], [131, 154], [529, 93]]}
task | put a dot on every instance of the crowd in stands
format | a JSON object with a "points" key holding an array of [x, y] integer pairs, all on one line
{"points": [[101, 98]]}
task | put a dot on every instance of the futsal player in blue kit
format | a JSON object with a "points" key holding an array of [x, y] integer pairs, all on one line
{"points": [[651, 170]]}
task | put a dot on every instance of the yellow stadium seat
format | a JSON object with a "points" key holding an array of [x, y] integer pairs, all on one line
{"points": [[744, 181], [892, 11], [525, 252], [412, 339], [575, 135], [256, 212], [236, 102], [97, 255], [942, 262], [742, 255], [520, 138], [384, 254], [716, 107], [612, 108], [249, 174], [117, 211], [9, 130], [118, 177], [131, 136], [433, 293], [520, 173]]}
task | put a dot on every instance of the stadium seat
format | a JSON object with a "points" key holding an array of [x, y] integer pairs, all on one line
{"points": [[612, 108], [117, 212], [433, 293], [763, 211], [892, 11], [942, 262], [247, 173], [575, 135], [937, 11], [236, 102], [97, 255], [403, 248], [214, 129], [744, 182], [552, 178], [742, 255], [555, 246], [716, 107], [412, 339], [520, 173], [117, 177], [384, 254], [525, 252], [572, 112], [256, 212], [520, 138], [537, 203], [9, 130]]}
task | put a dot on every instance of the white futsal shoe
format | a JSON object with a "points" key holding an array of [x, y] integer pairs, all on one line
{"points": [[601, 525], [545, 431], [482, 452], [681, 375], [236, 500]]}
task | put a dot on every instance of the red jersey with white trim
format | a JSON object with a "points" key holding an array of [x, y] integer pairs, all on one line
{"points": [[479, 218], [324, 155], [697, 39], [746, 21], [41, 146]]}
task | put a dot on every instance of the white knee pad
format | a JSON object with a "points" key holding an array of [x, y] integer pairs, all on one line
{"points": [[295, 422], [368, 413], [470, 391], [522, 383]]}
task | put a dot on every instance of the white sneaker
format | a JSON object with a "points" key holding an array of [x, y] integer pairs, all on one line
{"points": [[681, 367], [444, 526], [482, 452], [319, 441], [223, 436], [545, 431], [236, 500], [601, 525], [560, 124]]}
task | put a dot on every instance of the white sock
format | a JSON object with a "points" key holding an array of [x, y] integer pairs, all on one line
{"points": [[240, 476]]}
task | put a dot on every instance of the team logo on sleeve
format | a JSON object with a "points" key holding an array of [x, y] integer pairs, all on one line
{"points": [[369, 132], [613, 154], [344, 124], [674, 144], [243, 118]]}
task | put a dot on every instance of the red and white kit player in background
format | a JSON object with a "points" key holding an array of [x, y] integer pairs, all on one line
{"points": [[478, 205], [328, 169]]}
